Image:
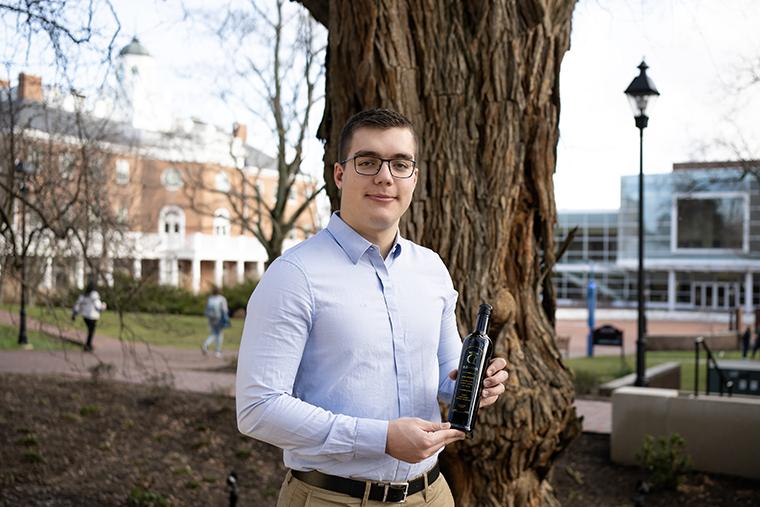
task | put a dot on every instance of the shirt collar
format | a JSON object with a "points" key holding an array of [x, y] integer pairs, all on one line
{"points": [[352, 242]]}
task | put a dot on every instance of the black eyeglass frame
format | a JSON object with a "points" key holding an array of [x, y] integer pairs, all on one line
{"points": [[380, 167]]}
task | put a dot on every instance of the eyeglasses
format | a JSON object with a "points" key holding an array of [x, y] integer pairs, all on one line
{"points": [[401, 168]]}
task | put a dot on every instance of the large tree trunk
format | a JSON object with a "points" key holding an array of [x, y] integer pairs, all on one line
{"points": [[480, 80]]}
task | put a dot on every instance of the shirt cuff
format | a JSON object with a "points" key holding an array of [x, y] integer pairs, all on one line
{"points": [[371, 437]]}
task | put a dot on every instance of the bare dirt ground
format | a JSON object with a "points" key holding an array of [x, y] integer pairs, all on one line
{"points": [[74, 442]]}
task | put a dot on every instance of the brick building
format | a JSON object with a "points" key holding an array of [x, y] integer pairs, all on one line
{"points": [[168, 181]]}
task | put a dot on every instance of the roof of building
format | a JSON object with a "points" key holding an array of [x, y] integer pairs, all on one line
{"points": [[134, 48], [727, 164]]}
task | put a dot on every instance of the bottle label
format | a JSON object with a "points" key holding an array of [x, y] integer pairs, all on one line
{"points": [[468, 377]]}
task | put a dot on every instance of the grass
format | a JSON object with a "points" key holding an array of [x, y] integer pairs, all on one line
{"points": [[40, 341], [171, 330], [593, 371]]}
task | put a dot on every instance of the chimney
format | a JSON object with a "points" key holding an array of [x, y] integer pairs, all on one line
{"points": [[29, 87], [240, 131]]}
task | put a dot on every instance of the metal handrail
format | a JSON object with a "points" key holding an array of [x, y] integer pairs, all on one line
{"points": [[700, 340]]}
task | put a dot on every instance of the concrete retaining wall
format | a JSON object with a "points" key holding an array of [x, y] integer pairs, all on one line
{"points": [[665, 375], [722, 434]]}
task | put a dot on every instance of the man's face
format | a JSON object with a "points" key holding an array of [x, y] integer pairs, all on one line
{"points": [[373, 205]]}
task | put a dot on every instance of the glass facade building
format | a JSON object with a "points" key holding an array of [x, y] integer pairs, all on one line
{"points": [[701, 235]]}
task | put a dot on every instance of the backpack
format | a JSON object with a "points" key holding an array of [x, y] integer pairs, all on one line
{"points": [[213, 309]]}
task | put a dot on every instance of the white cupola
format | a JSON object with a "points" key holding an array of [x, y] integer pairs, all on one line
{"points": [[141, 86]]}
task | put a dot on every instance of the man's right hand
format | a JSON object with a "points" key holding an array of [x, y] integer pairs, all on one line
{"points": [[412, 439]]}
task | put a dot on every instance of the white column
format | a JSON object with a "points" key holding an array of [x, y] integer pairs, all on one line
{"points": [[174, 272], [162, 279], [196, 275], [260, 268], [218, 272], [47, 281], [240, 271], [671, 290], [137, 268], [79, 273], [748, 295]]}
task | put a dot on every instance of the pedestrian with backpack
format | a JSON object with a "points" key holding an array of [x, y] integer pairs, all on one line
{"points": [[218, 317]]}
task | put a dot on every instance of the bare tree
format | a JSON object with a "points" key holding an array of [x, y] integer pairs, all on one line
{"points": [[284, 86], [52, 160], [481, 82]]}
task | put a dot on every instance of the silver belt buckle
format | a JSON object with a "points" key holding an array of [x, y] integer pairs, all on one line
{"points": [[396, 486]]}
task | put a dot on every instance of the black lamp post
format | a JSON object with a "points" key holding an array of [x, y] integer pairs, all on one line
{"points": [[641, 94], [24, 170]]}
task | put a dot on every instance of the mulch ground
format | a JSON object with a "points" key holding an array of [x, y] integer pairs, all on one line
{"points": [[584, 476], [72, 442]]}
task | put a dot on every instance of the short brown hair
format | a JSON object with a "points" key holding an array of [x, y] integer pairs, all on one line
{"points": [[377, 118]]}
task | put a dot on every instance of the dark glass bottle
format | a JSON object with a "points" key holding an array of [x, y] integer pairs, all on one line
{"points": [[477, 350]]}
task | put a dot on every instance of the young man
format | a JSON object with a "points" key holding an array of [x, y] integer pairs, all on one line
{"points": [[350, 340]]}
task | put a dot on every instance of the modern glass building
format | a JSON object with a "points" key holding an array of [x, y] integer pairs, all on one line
{"points": [[702, 242]]}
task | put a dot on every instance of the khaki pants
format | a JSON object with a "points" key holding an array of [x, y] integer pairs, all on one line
{"points": [[295, 493]]}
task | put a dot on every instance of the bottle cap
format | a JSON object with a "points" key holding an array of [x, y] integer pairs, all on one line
{"points": [[485, 308]]}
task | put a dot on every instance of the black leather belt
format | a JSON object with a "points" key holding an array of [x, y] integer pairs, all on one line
{"points": [[389, 492]]}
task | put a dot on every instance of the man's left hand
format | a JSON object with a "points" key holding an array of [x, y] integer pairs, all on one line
{"points": [[493, 385]]}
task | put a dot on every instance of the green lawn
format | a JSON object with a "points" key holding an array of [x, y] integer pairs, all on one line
{"points": [[40, 341], [183, 331], [592, 371]]}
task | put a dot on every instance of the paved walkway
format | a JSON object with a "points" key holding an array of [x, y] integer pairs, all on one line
{"points": [[597, 415]]}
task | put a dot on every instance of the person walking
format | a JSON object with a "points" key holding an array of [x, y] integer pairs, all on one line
{"points": [[351, 340], [89, 306], [217, 313], [756, 345]]}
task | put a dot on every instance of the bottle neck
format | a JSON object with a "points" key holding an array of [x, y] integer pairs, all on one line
{"points": [[482, 326]]}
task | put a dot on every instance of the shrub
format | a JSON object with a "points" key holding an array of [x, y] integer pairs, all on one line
{"points": [[664, 459], [585, 381], [238, 295], [131, 295]]}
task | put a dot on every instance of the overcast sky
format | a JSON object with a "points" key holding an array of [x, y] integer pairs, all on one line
{"points": [[694, 48]]}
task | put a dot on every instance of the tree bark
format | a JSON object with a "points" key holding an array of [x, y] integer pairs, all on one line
{"points": [[480, 80]]}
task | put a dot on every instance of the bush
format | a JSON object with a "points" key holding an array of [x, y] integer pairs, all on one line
{"points": [[585, 382], [238, 295], [132, 295], [664, 459]]}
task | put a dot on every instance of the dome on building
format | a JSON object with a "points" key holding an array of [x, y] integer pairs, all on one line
{"points": [[134, 48]]}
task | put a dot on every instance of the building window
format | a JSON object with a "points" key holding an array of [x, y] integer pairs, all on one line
{"points": [[171, 221], [711, 222], [171, 179], [221, 222], [222, 182], [122, 171]]}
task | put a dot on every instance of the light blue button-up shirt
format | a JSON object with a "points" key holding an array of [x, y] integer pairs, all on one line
{"points": [[337, 342]]}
